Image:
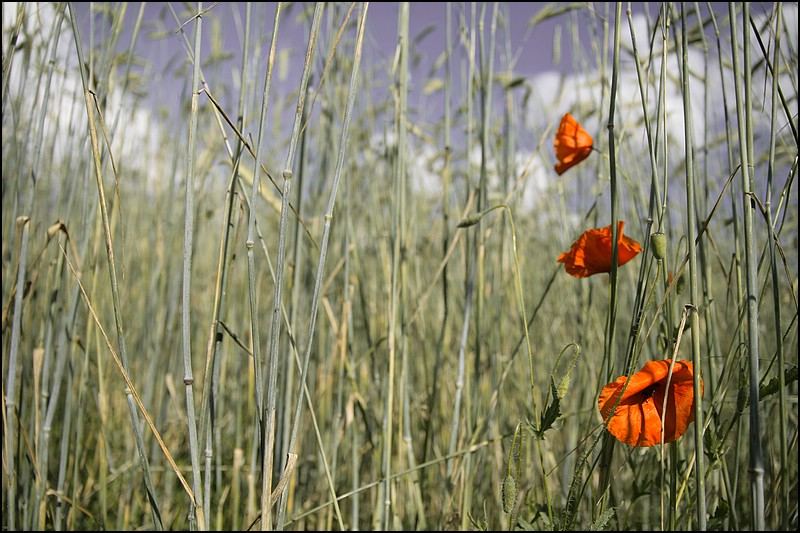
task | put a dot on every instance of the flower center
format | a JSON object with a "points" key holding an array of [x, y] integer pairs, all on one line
{"points": [[648, 392]]}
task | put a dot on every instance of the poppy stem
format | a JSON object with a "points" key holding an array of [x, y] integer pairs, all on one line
{"points": [[745, 149], [784, 486], [607, 450], [693, 278]]}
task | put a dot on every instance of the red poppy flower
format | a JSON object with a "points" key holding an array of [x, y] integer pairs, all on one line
{"points": [[591, 253], [638, 418], [573, 144]]}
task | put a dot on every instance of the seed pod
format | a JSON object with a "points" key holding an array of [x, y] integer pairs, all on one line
{"points": [[509, 493], [658, 242]]}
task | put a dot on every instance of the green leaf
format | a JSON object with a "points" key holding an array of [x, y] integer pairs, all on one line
{"points": [[773, 386], [515, 82], [433, 85], [424, 33], [563, 385], [717, 520], [602, 520], [507, 81], [436, 65], [553, 10], [551, 413], [742, 399]]}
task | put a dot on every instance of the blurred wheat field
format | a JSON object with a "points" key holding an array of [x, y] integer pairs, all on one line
{"points": [[310, 279]]}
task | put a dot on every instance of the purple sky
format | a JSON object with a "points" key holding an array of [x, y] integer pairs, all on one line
{"points": [[162, 66], [163, 55], [162, 61], [161, 49]]}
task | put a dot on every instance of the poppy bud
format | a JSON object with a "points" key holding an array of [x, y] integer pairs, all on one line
{"points": [[681, 284], [658, 242], [686, 327], [470, 220], [55, 228]]}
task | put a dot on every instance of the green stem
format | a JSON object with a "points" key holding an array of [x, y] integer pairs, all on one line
{"points": [[694, 276], [208, 408], [328, 217], [607, 451], [11, 380], [112, 271], [275, 331], [784, 454], [188, 235], [756, 455]]}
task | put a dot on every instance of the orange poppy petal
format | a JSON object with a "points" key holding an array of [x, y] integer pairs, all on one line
{"points": [[572, 158], [680, 401], [638, 418], [650, 374], [627, 249], [572, 144], [591, 253], [637, 424]]}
